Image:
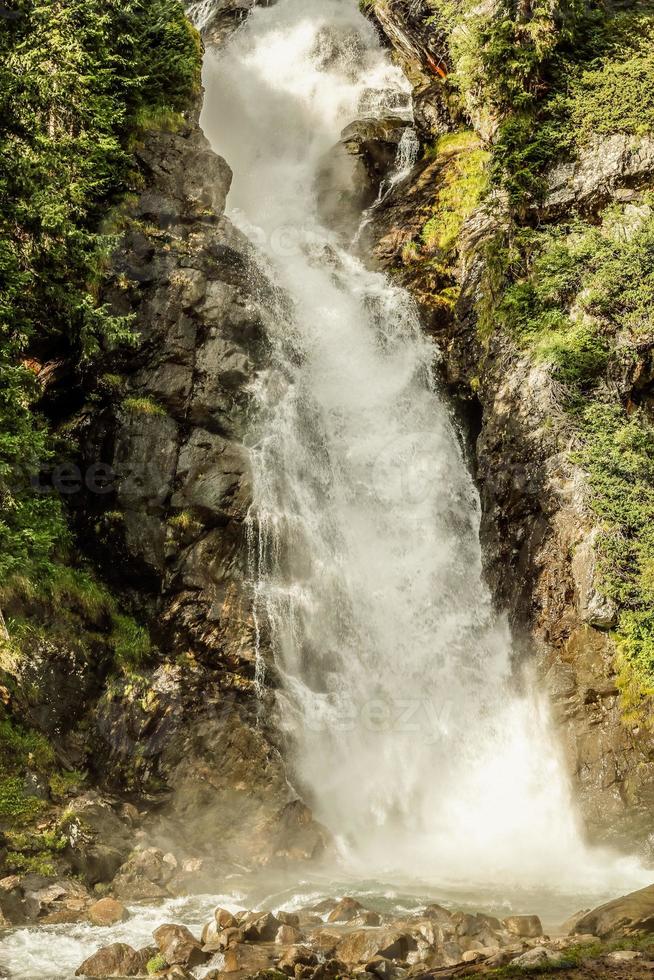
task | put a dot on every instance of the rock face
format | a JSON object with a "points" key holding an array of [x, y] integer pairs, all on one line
{"points": [[351, 174], [538, 532], [223, 17], [176, 516]]}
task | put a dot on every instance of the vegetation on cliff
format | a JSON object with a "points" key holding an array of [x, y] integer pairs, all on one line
{"points": [[80, 80], [544, 85]]}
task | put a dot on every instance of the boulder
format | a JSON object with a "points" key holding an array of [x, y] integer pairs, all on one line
{"points": [[288, 918], [351, 174], [117, 960], [525, 926], [362, 946], [179, 946], [358, 947], [624, 956], [288, 936], [366, 917], [260, 927], [386, 970], [24, 899], [622, 917], [538, 957], [326, 905], [225, 919], [248, 959], [145, 876], [449, 954], [346, 910], [107, 912], [99, 838], [299, 955], [437, 914]]}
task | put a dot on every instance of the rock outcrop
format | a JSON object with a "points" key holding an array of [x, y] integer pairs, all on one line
{"points": [[177, 517], [539, 534]]}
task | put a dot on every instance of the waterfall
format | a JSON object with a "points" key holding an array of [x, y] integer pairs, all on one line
{"points": [[411, 732]]}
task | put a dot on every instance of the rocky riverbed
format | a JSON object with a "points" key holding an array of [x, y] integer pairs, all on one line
{"points": [[344, 938]]}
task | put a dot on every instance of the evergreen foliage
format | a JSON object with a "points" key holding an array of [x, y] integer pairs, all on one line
{"points": [[78, 79]]}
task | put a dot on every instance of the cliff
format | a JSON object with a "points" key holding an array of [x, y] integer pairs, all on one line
{"points": [[525, 235]]}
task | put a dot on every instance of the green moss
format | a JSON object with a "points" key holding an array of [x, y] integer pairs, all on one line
{"points": [[15, 806], [143, 406], [618, 455], [574, 956], [594, 77], [131, 641], [156, 964], [574, 287], [64, 784], [463, 182]]}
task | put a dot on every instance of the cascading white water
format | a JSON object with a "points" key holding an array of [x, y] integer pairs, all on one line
{"points": [[412, 737]]}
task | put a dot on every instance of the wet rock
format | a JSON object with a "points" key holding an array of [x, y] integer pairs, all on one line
{"points": [[436, 913], [248, 959], [144, 876], [288, 918], [358, 947], [450, 954], [288, 935], [527, 926], [326, 905], [224, 919], [386, 970], [366, 917], [99, 838], [624, 916], [117, 960], [299, 955], [225, 17], [222, 931], [28, 898], [346, 910], [179, 946], [107, 912], [362, 946], [350, 175], [326, 940], [260, 927]]}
